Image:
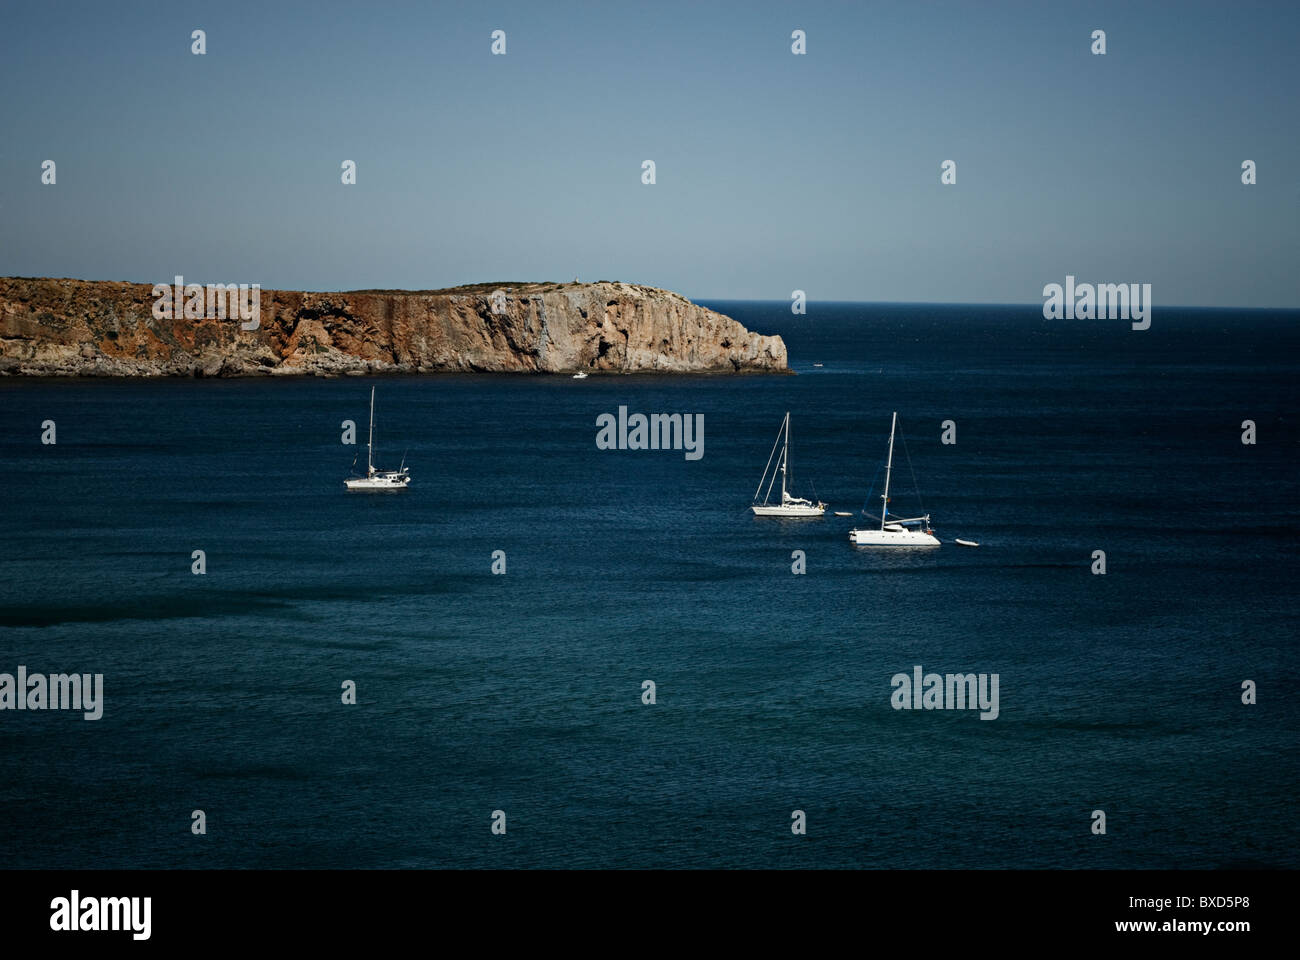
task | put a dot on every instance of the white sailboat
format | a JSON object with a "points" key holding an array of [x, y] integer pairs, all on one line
{"points": [[789, 506], [378, 481], [913, 532]]}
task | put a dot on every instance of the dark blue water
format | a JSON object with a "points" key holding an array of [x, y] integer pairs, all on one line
{"points": [[522, 692]]}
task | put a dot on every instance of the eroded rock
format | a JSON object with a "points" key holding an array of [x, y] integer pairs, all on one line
{"points": [[89, 328]]}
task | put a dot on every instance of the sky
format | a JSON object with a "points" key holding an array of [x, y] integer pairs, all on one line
{"points": [[774, 172]]}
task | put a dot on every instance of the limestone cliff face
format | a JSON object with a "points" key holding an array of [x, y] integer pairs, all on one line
{"points": [[86, 328]]}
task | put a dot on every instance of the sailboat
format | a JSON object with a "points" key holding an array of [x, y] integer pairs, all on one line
{"points": [[789, 506], [913, 532], [378, 481]]}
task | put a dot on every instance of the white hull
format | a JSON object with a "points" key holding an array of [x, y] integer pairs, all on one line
{"points": [[892, 538], [788, 510], [380, 483]]}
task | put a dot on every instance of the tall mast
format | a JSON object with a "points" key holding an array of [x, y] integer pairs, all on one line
{"points": [[785, 455], [370, 441], [884, 499]]}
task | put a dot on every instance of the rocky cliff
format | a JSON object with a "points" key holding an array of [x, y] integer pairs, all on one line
{"points": [[85, 328]]}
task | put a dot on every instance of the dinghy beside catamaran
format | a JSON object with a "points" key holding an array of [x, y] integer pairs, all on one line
{"points": [[377, 481], [914, 532], [792, 507]]}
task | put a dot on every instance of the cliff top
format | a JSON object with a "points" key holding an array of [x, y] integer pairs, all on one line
{"points": [[530, 286], [516, 287]]}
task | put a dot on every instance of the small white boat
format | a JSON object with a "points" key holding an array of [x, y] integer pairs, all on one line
{"points": [[819, 364], [579, 376], [913, 532], [790, 507], [843, 513], [965, 543], [377, 481]]}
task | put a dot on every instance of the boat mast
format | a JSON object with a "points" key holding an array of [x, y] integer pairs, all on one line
{"points": [[370, 440], [884, 498], [785, 455]]}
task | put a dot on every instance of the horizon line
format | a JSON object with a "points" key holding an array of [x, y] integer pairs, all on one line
{"points": [[976, 303], [697, 299]]}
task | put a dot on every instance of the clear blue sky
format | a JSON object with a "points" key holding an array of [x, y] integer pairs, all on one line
{"points": [[775, 171]]}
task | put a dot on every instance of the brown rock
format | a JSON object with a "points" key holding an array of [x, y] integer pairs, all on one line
{"points": [[88, 328]]}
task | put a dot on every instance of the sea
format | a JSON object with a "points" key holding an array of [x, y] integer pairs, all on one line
{"points": [[1134, 591]]}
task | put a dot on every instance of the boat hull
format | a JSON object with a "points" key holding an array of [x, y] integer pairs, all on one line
{"points": [[892, 538], [788, 511], [376, 485]]}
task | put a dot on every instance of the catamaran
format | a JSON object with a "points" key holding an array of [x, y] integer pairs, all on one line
{"points": [[378, 481], [789, 506], [913, 532]]}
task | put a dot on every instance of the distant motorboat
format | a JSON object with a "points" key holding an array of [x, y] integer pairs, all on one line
{"points": [[819, 364], [579, 376], [789, 506], [378, 481], [913, 532], [843, 513]]}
